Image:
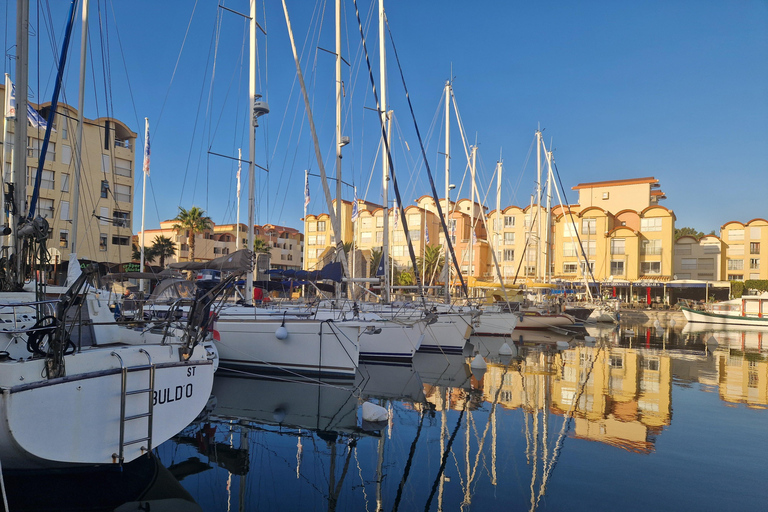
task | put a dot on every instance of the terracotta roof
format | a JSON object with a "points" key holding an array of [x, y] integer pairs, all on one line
{"points": [[614, 183]]}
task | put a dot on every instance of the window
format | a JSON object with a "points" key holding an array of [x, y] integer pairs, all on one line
{"points": [[735, 277], [312, 240], [379, 237], [735, 250], [706, 263], [397, 236], [45, 207], [64, 211], [569, 249], [736, 234], [617, 267], [415, 235], [64, 182], [587, 269], [365, 237], [650, 247], [650, 224], [616, 361], [588, 226], [64, 130], [102, 242], [122, 193], [320, 239], [509, 221], [754, 248], [104, 189], [106, 167], [617, 246], [34, 146], [122, 167], [689, 264], [735, 264], [398, 250], [66, 155], [650, 267], [754, 275], [318, 253], [380, 221], [606, 195], [414, 219], [570, 268], [590, 247], [527, 220], [321, 226], [683, 249], [569, 229], [121, 219], [103, 215], [367, 223], [64, 238], [47, 181], [754, 263], [509, 255], [121, 240], [312, 226], [509, 239]]}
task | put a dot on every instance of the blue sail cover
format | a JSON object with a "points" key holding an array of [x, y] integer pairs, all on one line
{"points": [[330, 272]]}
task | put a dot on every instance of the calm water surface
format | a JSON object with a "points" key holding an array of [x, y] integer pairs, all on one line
{"points": [[631, 418]]}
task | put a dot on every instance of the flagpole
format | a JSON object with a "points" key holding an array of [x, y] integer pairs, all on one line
{"points": [[144, 197], [239, 168]]}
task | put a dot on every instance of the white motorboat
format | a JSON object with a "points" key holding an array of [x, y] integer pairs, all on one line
{"points": [[749, 310]]}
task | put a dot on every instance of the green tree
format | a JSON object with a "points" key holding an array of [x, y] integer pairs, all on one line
{"points": [[431, 263], [686, 231], [406, 278], [149, 253], [375, 260], [193, 221], [163, 247], [261, 246]]}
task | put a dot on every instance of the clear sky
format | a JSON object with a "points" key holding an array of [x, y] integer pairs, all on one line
{"points": [[673, 89]]}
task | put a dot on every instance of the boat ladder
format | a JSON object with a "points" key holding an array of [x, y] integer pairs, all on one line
{"points": [[149, 368]]}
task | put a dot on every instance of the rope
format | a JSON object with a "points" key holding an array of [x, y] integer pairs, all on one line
{"points": [[429, 171]]}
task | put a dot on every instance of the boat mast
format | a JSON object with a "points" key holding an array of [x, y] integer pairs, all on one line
{"points": [[539, 264], [384, 156], [239, 168], [79, 145], [447, 188], [20, 134], [548, 224], [144, 196], [251, 149], [338, 130], [472, 217], [498, 229]]}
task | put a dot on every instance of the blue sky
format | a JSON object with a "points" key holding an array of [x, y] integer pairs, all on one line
{"points": [[672, 89]]}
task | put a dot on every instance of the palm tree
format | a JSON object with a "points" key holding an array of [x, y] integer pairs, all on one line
{"points": [[149, 253], [260, 245], [375, 259], [193, 221], [163, 247], [431, 263]]}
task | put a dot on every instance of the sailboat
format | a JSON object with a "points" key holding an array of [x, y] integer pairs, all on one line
{"points": [[64, 401]]}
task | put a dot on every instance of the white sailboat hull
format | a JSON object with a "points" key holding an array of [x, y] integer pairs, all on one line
{"points": [[76, 419], [724, 319], [310, 347]]}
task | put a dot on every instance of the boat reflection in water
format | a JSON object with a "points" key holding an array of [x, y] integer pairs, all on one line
{"points": [[513, 432], [140, 485]]}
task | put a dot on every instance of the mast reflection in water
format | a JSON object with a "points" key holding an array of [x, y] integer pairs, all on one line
{"points": [[590, 427]]}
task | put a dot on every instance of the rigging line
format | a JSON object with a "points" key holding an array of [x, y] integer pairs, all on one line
{"points": [[194, 130], [411, 252], [175, 68], [446, 452], [408, 464], [429, 171]]}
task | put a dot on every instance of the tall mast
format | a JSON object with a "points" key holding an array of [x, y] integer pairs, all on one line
{"points": [[384, 156], [251, 149], [548, 223], [538, 205], [472, 216], [447, 188], [338, 128], [498, 229], [79, 145], [239, 168], [144, 197], [20, 134]]}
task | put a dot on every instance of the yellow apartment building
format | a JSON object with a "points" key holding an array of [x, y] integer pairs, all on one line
{"points": [[745, 250], [106, 187], [286, 244]]}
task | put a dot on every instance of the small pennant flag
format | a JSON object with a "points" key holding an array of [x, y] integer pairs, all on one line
{"points": [[146, 146], [426, 234], [306, 189], [396, 212], [355, 211], [474, 237]]}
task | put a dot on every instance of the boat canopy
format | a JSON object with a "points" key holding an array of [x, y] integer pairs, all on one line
{"points": [[238, 260]]}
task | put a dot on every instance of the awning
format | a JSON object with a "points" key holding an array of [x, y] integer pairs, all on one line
{"points": [[239, 260]]}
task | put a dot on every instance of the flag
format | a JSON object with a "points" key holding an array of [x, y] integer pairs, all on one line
{"points": [[474, 237], [238, 179], [426, 234], [396, 212], [355, 212], [10, 97], [35, 119], [306, 189], [146, 146], [380, 268]]}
